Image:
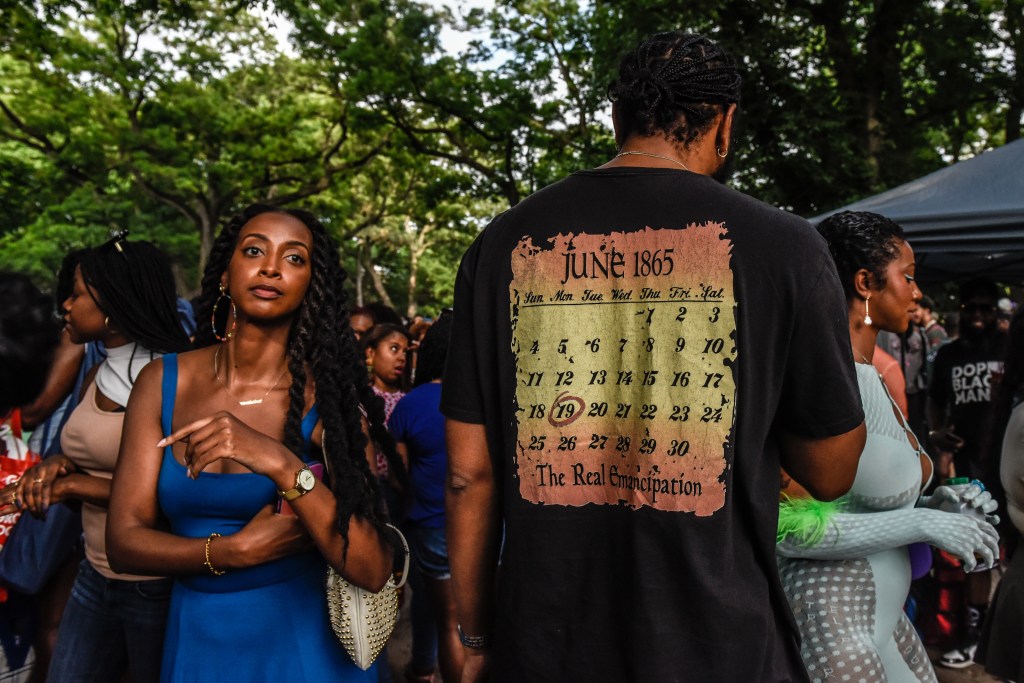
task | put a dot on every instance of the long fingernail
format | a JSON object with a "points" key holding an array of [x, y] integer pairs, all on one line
{"points": [[161, 443]]}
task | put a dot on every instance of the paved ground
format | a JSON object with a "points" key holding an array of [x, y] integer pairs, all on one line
{"points": [[972, 674], [400, 645]]}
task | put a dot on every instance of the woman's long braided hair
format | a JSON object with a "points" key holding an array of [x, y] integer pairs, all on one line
{"points": [[674, 83], [135, 288], [321, 343]]}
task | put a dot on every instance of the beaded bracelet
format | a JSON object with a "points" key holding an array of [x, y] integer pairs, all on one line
{"points": [[209, 565], [475, 642]]}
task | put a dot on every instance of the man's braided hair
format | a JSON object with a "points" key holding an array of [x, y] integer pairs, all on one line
{"points": [[674, 84], [320, 341]]}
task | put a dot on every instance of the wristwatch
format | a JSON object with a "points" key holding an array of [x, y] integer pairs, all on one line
{"points": [[304, 483]]}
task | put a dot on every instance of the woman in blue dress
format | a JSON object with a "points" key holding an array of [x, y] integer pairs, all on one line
{"points": [[217, 439]]}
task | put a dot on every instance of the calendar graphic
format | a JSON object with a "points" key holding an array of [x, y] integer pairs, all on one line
{"points": [[625, 350]]}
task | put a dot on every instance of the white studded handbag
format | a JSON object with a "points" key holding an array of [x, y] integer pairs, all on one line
{"points": [[363, 621]]}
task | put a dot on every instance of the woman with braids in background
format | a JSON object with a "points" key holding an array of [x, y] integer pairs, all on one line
{"points": [[385, 347], [123, 296], [845, 565], [214, 439]]}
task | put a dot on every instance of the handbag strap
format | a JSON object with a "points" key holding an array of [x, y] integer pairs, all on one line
{"points": [[405, 546]]}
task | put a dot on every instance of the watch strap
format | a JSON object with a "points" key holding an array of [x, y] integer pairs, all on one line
{"points": [[297, 491]]}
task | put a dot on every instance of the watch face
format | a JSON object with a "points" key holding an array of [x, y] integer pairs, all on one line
{"points": [[305, 480]]}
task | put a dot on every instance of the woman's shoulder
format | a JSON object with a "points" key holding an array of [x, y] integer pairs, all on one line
{"points": [[188, 361], [185, 363]]}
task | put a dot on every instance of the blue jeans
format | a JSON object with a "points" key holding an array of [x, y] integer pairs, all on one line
{"points": [[424, 629], [109, 627], [429, 548]]}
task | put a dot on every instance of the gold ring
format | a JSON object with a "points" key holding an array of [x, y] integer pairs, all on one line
{"points": [[37, 481]]}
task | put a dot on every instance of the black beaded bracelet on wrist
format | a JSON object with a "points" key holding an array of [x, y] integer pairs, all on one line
{"points": [[475, 642]]}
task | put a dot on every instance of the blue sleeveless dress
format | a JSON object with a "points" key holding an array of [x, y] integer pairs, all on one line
{"points": [[262, 623]]}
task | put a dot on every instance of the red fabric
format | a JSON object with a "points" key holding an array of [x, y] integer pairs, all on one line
{"points": [[15, 458], [941, 622]]}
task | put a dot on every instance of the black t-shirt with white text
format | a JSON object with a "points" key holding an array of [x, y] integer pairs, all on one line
{"points": [[634, 340], [964, 377]]}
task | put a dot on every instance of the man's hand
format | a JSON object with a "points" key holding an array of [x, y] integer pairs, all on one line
{"points": [[946, 439], [477, 667]]}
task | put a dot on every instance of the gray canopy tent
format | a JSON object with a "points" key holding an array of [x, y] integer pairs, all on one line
{"points": [[963, 220]]}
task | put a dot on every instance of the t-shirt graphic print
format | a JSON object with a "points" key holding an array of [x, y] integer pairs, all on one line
{"points": [[625, 349]]}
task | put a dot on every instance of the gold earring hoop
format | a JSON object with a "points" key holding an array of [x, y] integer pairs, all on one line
{"points": [[867, 315], [720, 153], [106, 324], [213, 315]]}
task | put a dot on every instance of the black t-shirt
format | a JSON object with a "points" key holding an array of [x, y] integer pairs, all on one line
{"points": [[964, 377], [633, 340]]}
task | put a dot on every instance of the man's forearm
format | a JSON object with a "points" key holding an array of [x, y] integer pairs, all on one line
{"points": [[825, 467], [935, 414], [474, 530], [473, 538]]}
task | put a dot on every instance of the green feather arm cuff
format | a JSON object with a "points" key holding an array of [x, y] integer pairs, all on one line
{"points": [[805, 520]]}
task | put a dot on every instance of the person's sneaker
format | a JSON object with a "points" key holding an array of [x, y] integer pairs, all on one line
{"points": [[960, 658]]}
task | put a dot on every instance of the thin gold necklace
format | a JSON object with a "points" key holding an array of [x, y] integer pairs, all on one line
{"points": [[252, 401], [651, 154]]}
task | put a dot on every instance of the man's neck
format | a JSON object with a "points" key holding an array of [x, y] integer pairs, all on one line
{"points": [[982, 340]]}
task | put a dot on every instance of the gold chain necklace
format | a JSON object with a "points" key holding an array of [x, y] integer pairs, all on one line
{"points": [[252, 401], [651, 154]]}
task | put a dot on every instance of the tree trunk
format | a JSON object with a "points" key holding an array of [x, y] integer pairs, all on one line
{"points": [[414, 263], [378, 283], [206, 237], [360, 272]]}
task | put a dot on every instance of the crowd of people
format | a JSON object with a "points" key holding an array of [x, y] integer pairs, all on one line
{"points": [[668, 433]]}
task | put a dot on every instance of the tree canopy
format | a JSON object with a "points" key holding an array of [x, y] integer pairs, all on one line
{"points": [[166, 116]]}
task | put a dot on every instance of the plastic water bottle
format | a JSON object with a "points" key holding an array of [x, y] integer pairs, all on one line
{"points": [[960, 485]]}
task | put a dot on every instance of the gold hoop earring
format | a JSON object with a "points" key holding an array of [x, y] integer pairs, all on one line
{"points": [[867, 315], [106, 324], [720, 153], [213, 315]]}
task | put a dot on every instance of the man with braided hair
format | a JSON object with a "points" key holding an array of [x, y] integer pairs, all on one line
{"points": [[639, 347]]}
